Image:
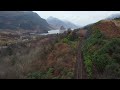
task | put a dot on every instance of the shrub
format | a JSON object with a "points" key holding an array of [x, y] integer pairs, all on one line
{"points": [[49, 73], [89, 66], [14, 59], [112, 71], [70, 75], [72, 36], [35, 75], [101, 61], [41, 74], [65, 40], [116, 56]]}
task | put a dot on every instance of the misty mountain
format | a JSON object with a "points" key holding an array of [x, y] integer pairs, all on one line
{"points": [[57, 23], [26, 20], [113, 16]]}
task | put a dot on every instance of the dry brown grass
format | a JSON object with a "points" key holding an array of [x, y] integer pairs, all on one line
{"points": [[109, 29]]}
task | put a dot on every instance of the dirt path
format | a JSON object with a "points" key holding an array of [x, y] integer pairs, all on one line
{"points": [[80, 72]]}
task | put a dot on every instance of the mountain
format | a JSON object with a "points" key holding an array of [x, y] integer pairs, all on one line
{"points": [[57, 23], [70, 25], [26, 20], [113, 16]]}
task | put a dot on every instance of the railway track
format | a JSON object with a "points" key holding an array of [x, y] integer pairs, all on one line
{"points": [[80, 72]]}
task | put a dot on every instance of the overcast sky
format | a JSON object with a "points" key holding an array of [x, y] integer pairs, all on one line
{"points": [[78, 17]]}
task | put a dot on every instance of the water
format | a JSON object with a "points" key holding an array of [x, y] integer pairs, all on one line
{"points": [[51, 32]]}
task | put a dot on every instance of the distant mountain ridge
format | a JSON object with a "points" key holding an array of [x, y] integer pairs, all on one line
{"points": [[113, 16], [57, 23], [26, 20]]}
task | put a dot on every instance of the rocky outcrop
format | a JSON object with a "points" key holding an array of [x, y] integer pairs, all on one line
{"points": [[62, 28]]}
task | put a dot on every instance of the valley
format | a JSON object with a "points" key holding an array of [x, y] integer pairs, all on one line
{"points": [[38, 50]]}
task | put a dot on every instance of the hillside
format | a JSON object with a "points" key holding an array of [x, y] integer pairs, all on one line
{"points": [[45, 57], [57, 23], [101, 50], [25, 20]]}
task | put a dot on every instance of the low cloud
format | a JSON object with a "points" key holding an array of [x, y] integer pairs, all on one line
{"points": [[78, 17]]}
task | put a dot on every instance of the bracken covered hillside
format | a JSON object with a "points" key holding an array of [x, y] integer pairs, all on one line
{"points": [[108, 28], [102, 50]]}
